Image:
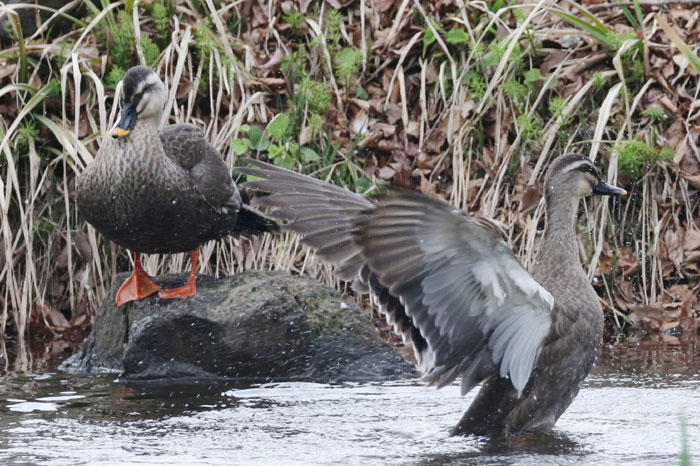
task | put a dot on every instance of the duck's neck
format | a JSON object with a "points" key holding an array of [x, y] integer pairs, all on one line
{"points": [[144, 132], [154, 121], [149, 123], [559, 246]]}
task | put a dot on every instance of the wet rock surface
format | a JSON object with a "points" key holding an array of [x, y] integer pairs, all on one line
{"points": [[255, 325]]}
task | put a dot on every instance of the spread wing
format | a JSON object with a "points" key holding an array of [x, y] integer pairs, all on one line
{"points": [[473, 302], [448, 282], [321, 212]]}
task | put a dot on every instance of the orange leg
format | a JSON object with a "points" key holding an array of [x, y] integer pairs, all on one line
{"points": [[137, 286], [190, 288]]}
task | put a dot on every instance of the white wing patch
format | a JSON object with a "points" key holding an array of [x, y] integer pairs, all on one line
{"points": [[489, 279], [529, 286]]}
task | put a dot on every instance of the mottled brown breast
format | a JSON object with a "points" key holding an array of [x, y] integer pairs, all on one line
{"points": [[138, 197]]}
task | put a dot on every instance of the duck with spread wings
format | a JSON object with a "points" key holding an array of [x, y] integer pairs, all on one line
{"points": [[454, 290]]}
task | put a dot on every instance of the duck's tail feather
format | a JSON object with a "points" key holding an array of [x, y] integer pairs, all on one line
{"points": [[251, 222]]}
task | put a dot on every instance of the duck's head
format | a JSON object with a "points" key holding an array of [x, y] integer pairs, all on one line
{"points": [[575, 175], [143, 98]]}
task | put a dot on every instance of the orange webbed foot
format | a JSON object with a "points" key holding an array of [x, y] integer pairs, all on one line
{"points": [[188, 289], [138, 286], [182, 292]]}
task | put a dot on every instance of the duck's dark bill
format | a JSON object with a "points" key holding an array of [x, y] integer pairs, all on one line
{"points": [[605, 189], [126, 122]]}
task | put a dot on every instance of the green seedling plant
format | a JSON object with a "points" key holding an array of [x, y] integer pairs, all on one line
{"points": [[26, 133], [476, 85], [162, 12], [557, 107], [348, 62], [637, 158], [529, 126], [598, 80], [122, 34], [294, 18], [655, 114], [333, 35], [457, 35], [114, 76], [205, 44]]}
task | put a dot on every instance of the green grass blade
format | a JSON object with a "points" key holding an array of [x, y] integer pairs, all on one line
{"points": [[638, 12], [599, 32], [684, 458], [22, 46], [593, 18], [631, 18]]}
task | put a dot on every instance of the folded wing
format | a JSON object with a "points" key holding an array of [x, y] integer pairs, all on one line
{"points": [[187, 146]]}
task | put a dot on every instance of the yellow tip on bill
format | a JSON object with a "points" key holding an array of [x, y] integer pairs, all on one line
{"points": [[119, 133], [623, 193]]}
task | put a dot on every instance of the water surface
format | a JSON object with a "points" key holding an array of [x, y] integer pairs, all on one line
{"points": [[628, 412]]}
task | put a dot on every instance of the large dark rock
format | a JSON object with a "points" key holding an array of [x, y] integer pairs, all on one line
{"points": [[256, 325]]}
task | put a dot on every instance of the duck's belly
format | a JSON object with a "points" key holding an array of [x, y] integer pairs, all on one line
{"points": [[152, 232], [152, 219], [562, 366]]}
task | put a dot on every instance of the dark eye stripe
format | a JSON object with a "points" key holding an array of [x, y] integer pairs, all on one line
{"points": [[136, 98], [588, 169]]}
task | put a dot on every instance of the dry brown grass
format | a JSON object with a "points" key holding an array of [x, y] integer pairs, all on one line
{"points": [[428, 130]]}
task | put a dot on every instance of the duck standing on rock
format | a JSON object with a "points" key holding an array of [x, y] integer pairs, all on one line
{"points": [[452, 287], [161, 191]]}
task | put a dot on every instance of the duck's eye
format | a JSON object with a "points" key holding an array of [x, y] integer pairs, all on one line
{"points": [[589, 169]]}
